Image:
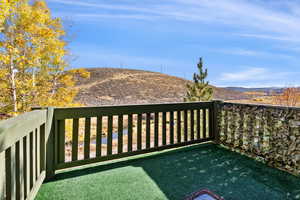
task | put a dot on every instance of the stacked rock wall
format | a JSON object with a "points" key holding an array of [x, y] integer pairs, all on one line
{"points": [[267, 133]]}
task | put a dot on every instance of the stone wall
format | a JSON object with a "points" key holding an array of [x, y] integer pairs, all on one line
{"points": [[267, 133]]}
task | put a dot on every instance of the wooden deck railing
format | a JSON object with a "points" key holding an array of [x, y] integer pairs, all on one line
{"points": [[36, 144], [23, 154], [118, 131]]}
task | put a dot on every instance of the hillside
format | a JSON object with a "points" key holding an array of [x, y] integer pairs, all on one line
{"points": [[108, 86], [266, 90]]}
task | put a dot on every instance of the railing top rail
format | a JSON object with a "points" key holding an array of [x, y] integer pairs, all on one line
{"points": [[78, 112], [264, 106], [137, 105], [12, 130]]}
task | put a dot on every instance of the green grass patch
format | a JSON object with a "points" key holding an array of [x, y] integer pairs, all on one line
{"points": [[174, 175]]}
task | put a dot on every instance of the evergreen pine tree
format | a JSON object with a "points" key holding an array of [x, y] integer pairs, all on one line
{"points": [[199, 90]]}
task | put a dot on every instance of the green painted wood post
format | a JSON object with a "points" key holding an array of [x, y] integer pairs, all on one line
{"points": [[215, 128], [50, 144]]}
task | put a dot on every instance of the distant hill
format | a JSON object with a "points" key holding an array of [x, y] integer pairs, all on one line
{"points": [[110, 86], [267, 90]]}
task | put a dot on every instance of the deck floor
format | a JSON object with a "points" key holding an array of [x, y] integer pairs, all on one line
{"points": [[174, 175]]}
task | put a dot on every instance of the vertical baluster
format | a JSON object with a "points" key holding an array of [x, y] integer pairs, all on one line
{"points": [[2, 175], [204, 123], [99, 136], [198, 124], [129, 143], [109, 136], [192, 118], [37, 153], [42, 148], [10, 173], [185, 125], [56, 142], [120, 133], [21, 169], [87, 138], [148, 130], [21, 164], [17, 170], [75, 132], [139, 132], [13, 171], [34, 156], [61, 141], [178, 126], [26, 152], [32, 159], [211, 123], [164, 128], [156, 129], [171, 127]]}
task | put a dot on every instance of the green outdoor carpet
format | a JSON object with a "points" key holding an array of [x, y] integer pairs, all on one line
{"points": [[174, 175]]}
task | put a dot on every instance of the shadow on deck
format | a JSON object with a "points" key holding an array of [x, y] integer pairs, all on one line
{"points": [[174, 175]]}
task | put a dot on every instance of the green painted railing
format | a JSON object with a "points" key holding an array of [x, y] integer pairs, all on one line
{"points": [[23, 154], [104, 133], [36, 144]]}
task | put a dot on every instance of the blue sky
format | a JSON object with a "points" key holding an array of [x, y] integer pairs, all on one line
{"points": [[252, 43]]}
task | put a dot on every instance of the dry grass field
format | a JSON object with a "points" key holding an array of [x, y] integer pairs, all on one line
{"points": [[112, 86]]}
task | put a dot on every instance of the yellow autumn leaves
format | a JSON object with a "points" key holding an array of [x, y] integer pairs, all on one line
{"points": [[32, 58]]}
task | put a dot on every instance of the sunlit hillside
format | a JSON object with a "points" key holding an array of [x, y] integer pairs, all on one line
{"points": [[127, 86]]}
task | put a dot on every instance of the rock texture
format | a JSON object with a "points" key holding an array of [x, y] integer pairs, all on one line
{"points": [[267, 133]]}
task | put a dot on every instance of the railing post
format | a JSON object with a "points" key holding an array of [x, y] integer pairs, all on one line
{"points": [[50, 151], [215, 127]]}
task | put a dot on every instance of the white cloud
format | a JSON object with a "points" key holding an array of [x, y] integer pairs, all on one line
{"points": [[271, 37], [253, 74], [114, 16], [260, 18], [99, 5], [249, 74], [242, 52], [254, 53]]}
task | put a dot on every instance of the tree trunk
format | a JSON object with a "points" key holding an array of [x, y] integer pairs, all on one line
{"points": [[13, 85]]}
